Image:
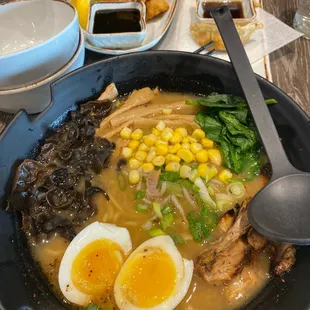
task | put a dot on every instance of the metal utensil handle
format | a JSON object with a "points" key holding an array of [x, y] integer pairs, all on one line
{"points": [[254, 97], [205, 48]]}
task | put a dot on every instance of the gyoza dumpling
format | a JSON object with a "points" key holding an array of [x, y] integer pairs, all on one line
{"points": [[205, 33]]}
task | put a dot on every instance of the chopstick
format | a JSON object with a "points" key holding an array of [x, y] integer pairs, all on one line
{"points": [[205, 47]]}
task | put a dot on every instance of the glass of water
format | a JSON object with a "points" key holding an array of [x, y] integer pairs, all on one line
{"points": [[302, 18]]}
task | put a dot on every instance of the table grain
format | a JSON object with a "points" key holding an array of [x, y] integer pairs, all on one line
{"points": [[290, 65]]}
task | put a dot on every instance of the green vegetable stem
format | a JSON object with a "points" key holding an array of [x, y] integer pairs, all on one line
{"points": [[140, 194]]}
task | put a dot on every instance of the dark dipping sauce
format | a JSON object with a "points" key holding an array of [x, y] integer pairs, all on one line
{"points": [[236, 8], [108, 21]]}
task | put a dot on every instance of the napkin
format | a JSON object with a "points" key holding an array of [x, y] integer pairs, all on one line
{"points": [[273, 36]]}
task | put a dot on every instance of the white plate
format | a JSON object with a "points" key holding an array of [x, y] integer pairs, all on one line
{"points": [[155, 30]]}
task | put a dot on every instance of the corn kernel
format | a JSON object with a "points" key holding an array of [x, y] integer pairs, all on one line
{"points": [[168, 129], [141, 155], [193, 175], [161, 125], [133, 144], [224, 175], [173, 149], [207, 143], [167, 134], [161, 149], [173, 167], [160, 142], [171, 157], [143, 147], [176, 138], [186, 146], [137, 134], [182, 131], [127, 152], [203, 170], [185, 171], [191, 139], [202, 156], [134, 176], [150, 156], [134, 163], [186, 155], [156, 132], [212, 172], [150, 140], [167, 111], [147, 167], [185, 140], [215, 157], [125, 133], [158, 161], [195, 147], [198, 134]]}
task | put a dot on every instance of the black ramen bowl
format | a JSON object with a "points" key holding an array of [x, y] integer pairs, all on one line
{"points": [[22, 285]]}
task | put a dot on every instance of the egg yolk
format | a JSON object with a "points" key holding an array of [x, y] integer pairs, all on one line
{"points": [[96, 267], [150, 278]]}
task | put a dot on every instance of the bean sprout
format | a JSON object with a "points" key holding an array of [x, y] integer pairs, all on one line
{"points": [[179, 207]]}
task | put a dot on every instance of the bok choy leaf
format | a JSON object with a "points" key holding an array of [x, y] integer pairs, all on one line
{"points": [[227, 121]]}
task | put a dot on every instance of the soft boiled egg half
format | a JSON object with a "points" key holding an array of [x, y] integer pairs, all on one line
{"points": [[155, 276], [92, 262]]}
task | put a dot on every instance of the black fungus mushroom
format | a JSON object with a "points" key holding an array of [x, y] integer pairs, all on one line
{"points": [[27, 172], [96, 190], [53, 193], [59, 198], [266, 170], [121, 163], [62, 178]]}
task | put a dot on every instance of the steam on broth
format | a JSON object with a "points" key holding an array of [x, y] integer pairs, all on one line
{"points": [[196, 199]]}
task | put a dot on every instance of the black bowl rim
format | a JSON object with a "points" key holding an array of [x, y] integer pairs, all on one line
{"points": [[40, 117]]}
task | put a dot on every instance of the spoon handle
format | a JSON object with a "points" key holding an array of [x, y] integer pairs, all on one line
{"points": [[264, 123]]}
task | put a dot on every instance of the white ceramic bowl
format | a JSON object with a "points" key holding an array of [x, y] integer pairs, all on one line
{"points": [[248, 10], [123, 40], [36, 97], [37, 38]]}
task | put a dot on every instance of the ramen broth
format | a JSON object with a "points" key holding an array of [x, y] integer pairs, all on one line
{"points": [[120, 210]]}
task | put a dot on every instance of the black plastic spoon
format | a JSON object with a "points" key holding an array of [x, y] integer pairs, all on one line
{"points": [[281, 210]]}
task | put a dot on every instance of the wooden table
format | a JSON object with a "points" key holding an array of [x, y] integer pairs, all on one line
{"points": [[290, 66]]}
